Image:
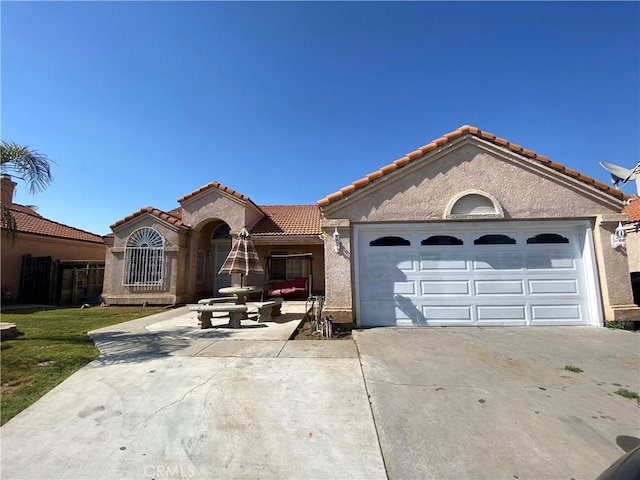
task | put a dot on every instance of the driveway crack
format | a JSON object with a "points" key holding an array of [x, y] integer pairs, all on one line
{"points": [[185, 394]]}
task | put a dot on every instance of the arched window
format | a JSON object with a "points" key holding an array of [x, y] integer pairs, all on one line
{"points": [[548, 238], [389, 242], [442, 240], [222, 231], [494, 240], [144, 258], [473, 204]]}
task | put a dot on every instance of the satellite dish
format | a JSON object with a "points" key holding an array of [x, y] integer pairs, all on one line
{"points": [[618, 173]]}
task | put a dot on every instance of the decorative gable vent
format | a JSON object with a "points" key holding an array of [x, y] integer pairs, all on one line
{"points": [[473, 204]]}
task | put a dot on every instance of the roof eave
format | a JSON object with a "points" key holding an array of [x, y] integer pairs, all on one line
{"points": [[446, 140]]}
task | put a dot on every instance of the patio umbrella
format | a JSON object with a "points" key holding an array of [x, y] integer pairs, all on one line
{"points": [[242, 258]]}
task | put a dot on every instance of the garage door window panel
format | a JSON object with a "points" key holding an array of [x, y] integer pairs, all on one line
{"points": [[390, 241], [494, 239], [441, 240], [547, 238]]}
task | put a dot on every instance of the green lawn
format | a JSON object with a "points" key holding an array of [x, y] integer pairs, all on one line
{"points": [[54, 344]]}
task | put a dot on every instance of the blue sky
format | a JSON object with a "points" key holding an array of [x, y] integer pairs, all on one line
{"points": [[140, 103]]}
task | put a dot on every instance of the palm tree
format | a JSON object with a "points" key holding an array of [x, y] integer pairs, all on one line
{"points": [[25, 164]]}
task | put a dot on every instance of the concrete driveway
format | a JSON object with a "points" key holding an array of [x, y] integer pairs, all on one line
{"points": [[497, 403], [167, 400]]}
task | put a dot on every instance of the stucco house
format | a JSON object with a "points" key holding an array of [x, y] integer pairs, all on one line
{"points": [[469, 229], [47, 261], [158, 257]]}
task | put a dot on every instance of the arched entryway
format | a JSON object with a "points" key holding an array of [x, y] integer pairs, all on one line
{"points": [[213, 243], [220, 242]]}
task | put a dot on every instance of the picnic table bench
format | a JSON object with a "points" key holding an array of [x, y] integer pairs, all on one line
{"points": [[207, 306], [211, 301], [205, 312], [268, 309]]}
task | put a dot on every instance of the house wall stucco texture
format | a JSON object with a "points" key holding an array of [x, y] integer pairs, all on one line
{"points": [[633, 251], [613, 269], [213, 203], [421, 191], [115, 293]]}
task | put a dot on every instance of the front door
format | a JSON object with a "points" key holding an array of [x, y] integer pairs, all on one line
{"points": [[222, 249]]}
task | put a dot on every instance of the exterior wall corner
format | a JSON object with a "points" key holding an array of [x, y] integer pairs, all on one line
{"points": [[338, 276], [613, 271]]}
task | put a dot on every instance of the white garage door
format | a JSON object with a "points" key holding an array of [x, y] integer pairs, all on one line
{"points": [[503, 273]]}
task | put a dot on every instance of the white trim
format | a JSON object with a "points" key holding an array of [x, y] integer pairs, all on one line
{"points": [[591, 277], [498, 212]]}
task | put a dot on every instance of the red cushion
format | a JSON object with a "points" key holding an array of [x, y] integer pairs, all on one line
{"points": [[287, 287]]}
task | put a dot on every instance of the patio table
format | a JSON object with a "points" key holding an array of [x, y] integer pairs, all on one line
{"points": [[240, 293]]}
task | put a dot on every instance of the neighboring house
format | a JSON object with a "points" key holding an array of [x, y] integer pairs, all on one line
{"points": [[46, 261], [467, 230]]}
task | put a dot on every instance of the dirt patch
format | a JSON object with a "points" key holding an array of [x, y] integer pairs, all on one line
{"points": [[305, 332]]}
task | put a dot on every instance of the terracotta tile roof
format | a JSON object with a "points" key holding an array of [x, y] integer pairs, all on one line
{"points": [[633, 209], [173, 219], [176, 212], [217, 185], [466, 130], [29, 221], [288, 220]]}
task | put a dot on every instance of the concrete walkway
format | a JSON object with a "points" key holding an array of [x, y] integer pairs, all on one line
{"points": [[168, 400]]}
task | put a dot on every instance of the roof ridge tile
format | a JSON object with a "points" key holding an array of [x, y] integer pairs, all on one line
{"points": [[154, 211], [459, 132], [29, 221]]}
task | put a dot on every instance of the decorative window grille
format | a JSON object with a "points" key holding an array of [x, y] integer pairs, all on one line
{"points": [[144, 258], [222, 231], [200, 266]]}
